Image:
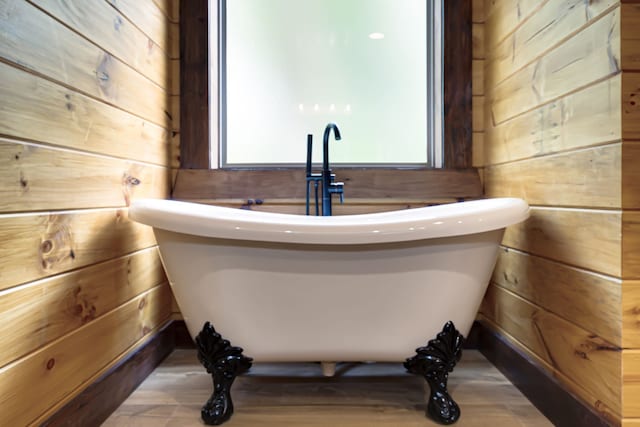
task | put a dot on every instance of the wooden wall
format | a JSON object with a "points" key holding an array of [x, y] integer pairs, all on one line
{"points": [[89, 119], [561, 131], [85, 126]]}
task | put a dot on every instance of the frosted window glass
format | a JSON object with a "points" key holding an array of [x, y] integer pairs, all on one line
{"points": [[292, 66]]}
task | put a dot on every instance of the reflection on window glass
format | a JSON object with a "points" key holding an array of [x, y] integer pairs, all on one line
{"points": [[292, 66]]}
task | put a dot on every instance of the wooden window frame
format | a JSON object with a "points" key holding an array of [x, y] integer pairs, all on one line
{"points": [[194, 95]]}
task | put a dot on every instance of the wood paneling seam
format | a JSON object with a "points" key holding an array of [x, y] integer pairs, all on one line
{"points": [[551, 100], [555, 313], [114, 5], [558, 153], [45, 145], [525, 19], [553, 261], [114, 54], [166, 126], [557, 44], [38, 421]]}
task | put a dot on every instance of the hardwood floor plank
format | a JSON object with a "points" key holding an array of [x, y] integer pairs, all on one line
{"points": [[378, 395]]}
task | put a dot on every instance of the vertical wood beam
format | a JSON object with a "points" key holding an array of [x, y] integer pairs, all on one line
{"points": [[457, 84], [194, 87]]}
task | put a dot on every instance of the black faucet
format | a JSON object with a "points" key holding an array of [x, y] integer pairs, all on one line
{"points": [[328, 186], [326, 177]]}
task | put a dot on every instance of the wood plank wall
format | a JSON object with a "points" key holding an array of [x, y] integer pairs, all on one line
{"points": [[561, 131], [85, 126]]}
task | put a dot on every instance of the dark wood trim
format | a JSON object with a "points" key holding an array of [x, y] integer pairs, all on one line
{"points": [[417, 184], [471, 340], [194, 85], [94, 405], [181, 335], [457, 84], [194, 106], [556, 403]]}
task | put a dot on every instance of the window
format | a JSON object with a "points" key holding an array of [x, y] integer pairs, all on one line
{"points": [[196, 117], [289, 67]]}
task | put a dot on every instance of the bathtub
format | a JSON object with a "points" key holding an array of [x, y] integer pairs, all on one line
{"points": [[367, 287]]}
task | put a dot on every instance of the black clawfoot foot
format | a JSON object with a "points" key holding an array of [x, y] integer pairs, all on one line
{"points": [[434, 362], [224, 363]]}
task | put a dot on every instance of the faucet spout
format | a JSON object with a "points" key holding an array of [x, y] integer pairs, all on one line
{"points": [[325, 143], [328, 186]]}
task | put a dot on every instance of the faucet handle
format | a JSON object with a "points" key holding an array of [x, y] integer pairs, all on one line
{"points": [[337, 188]]}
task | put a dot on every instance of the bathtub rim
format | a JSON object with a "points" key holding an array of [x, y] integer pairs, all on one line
{"points": [[445, 220]]}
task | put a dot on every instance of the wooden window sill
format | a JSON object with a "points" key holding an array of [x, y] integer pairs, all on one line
{"points": [[365, 189]]}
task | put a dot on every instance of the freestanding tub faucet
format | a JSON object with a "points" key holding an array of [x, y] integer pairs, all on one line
{"points": [[326, 177], [328, 186]]}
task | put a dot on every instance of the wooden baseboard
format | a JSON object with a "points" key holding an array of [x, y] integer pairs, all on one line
{"points": [[181, 334], [471, 340], [561, 407], [94, 405]]}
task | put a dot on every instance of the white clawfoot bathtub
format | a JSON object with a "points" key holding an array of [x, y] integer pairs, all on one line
{"points": [[370, 287]]}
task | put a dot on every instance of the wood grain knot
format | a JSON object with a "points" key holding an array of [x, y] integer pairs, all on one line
{"points": [[128, 182], [56, 243], [102, 76], [117, 23], [581, 354], [78, 309], [132, 180], [23, 181], [46, 246], [51, 363], [90, 315], [142, 303], [82, 307], [145, 330]]}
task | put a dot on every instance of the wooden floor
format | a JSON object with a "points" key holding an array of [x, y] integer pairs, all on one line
{"points": [[360, 395]]}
